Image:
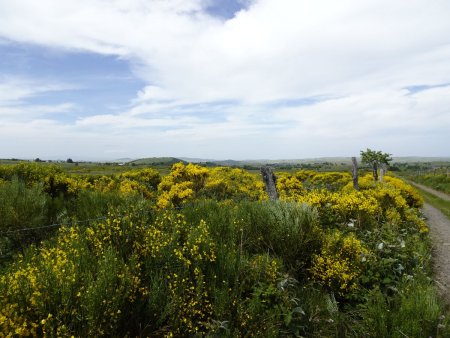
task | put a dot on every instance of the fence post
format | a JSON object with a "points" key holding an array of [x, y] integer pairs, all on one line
{"points": [[355, 173], [270, 181], [383, 170]]}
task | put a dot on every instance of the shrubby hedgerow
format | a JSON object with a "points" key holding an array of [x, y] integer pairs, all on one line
{"points": [[201, 252]]}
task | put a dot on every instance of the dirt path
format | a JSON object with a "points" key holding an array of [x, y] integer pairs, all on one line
{"points": [[440, 235]]}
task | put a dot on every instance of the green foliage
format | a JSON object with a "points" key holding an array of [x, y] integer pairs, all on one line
{"points": [[413, 310], [439, 182], [284, 229], [21, 207], [372, 156], [375, 159], [326, 261]]}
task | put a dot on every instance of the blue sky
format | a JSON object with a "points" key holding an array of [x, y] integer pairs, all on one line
{"points": [[241, 79]]}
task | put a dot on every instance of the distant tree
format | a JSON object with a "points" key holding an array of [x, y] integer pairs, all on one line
{"points": [[375, 159], [69, 160], [38, 160]]}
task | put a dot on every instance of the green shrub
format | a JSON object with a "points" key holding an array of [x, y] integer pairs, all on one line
{"points": [[22, 207], [284, 229], [413, 310]]}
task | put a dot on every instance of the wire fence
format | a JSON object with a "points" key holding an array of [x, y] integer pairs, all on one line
{"points": [[74, 222], [54, 225]]}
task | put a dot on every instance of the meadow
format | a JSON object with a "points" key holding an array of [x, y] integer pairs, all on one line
{"points": [[435, 175], [201, 251], [437, 181]]}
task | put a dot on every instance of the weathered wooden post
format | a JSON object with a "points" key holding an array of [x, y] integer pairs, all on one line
{"points": [[270, 181], [355, 173], [383, 170]]}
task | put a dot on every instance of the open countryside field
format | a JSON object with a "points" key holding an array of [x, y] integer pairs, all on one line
{"points": [[197, 168], [202, 251]]}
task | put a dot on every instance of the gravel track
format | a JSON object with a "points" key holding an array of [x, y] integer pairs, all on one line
{"points": [[439, 226], [440, 236]]}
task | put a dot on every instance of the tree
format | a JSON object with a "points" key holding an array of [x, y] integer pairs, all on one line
{"points": [[375, 159], [69, 160]]}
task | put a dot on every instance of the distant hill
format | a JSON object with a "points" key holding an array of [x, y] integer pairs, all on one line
{"points": [[416, 159], [123, 160], [279, 162], [196, 160], [156, 161]]}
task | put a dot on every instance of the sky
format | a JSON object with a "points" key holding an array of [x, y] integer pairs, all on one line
{"points": [[223, 79]]}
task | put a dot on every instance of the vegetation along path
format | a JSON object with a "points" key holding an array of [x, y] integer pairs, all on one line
{"points": [[440, 235]]}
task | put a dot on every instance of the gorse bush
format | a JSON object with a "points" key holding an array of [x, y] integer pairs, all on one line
{"points": [[187, 182], [201, 252], [340, 263]]}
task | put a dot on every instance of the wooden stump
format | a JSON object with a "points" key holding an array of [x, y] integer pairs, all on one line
{"points": [[270, 181]]}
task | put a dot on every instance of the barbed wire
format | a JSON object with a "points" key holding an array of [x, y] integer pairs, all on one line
{"points": [[70, 222], [74, 222]]}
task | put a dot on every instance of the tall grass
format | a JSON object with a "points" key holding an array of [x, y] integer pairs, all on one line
{"points": [[283, 229], [21, 207], [413, 310]]}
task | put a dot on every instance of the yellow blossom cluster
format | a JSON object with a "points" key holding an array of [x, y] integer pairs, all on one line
{"points": [[390, 200], [410, 194], [142, 181], [354, 205], [232, 183], [330, 180], [189, 293], [340, 262], [186, 182], [289, 187], [181, 184], [63, 282], [56, 182]]}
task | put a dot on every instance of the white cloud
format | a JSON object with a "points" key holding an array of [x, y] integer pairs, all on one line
{"points": [[15, 94], [16, 89], [275, 49], [360, 54]]}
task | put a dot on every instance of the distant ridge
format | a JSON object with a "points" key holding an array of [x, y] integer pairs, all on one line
{"points": [[412, 159], [259, 162], [156, 161]]}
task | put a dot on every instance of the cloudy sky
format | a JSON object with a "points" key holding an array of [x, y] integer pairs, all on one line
{"points": [[240, 79]]}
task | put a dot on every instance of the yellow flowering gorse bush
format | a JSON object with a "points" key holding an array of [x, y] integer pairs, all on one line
{"points": [[225, 263], [340, 262]]}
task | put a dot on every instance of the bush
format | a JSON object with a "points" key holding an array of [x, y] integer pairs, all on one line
{"points": [[323, 264], [413, 310], [22, 207]]}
